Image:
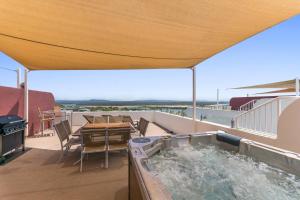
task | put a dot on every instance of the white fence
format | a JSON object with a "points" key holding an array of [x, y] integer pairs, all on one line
{"points": [[264, 118], [223, 117]]}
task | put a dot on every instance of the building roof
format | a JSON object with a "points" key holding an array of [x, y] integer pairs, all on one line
{"points": [[76, 34]]}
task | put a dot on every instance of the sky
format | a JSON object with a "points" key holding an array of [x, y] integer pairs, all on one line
{"points": [[273, 55]]}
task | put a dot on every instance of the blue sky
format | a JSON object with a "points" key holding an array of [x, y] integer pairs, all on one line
{"points": [[273, 55]]}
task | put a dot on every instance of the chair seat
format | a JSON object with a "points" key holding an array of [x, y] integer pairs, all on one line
{"points": [[135, 134], [75, 140], [94, 149], [117, 146]]}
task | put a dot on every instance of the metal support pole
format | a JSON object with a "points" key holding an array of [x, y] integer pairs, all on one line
{"points": [[297, 86], [194, 93], [26, 99], [218, 93], [18, 70]]}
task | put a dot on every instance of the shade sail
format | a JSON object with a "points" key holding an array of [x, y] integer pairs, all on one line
{"points": [[288, 90], [281, 84], [118, 34]]}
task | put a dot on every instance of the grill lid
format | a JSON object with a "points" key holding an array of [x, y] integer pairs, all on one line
{"points": [[10, 120]]}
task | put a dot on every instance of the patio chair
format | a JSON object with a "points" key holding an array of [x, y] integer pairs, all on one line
{"points": [[143, 125], [92, 142], [75, 140], [64, 139], [115, 119], [95, 119], [45, 117], [141, 128], [118, 139], [127, 118], [107, 118], [58, 114]]}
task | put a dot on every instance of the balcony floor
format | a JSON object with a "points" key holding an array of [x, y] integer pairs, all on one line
{"points": [[37, 174]]}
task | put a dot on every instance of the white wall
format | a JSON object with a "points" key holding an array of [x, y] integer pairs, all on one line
{"points": [[217, 116], [177, 124], [288, 137], [79, 120]]}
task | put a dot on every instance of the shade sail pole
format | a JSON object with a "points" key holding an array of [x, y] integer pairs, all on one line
{"points": [[26, 99], [194, 92], [18, 70], [297, 87], [218, 93]]}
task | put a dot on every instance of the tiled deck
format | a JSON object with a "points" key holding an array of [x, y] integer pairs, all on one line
{"points": [[37, 174]]}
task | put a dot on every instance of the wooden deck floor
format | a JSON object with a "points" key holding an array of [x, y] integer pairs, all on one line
{"points": [[36, 175]]}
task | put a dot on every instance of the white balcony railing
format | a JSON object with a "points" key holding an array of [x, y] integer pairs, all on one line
{"points": [[264, 118], [248, 106]]}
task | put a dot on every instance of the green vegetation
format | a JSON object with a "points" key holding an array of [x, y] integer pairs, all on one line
{"points": [[177, 110]]}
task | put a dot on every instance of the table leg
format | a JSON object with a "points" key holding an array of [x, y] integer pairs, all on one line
{"points": [[106, 149]]}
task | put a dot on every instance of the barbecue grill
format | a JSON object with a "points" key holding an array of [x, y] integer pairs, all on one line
{"points": [[11, 134]]}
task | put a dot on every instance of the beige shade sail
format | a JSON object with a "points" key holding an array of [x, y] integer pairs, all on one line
{"points": [[288, 90], [281, 84], [134, 34]]}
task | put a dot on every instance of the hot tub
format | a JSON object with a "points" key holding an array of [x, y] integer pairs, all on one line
{"points": [[213, 165]]}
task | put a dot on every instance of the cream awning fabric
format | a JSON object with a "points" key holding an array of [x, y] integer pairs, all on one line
{"points": [[134, 34], [288, 90], [281, 84]]}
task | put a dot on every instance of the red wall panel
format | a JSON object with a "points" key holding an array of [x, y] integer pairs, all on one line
{"points": [[237, 102], [12, 102]]}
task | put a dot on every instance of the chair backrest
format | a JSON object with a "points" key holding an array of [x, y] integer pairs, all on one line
{"points": [[95, 119], [143, 125], [127, 118], [107, 118], [57, 111], [121, 135], [67, 126], [115, 119], [61, 132], [92, 137]]}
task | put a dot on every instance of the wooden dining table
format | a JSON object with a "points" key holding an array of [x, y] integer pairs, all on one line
{"points": [[108, 128]]}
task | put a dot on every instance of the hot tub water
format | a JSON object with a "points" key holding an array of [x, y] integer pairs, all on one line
{"points": [[210, 173]]}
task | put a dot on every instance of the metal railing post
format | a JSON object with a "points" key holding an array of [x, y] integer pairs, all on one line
{"points": [[194, 93], [297, 86]]}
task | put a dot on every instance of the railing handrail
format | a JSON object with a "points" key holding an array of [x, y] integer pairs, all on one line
{"points": [[246, 120], [267, 102], [256, 108], [248, 103]]}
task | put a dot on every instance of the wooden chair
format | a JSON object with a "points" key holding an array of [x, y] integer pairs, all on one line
{"points": [[141, 128], [107, 118], [115, 119], [127, 118], [92, 142], [65, 141], [143, 125], [75, 140], [45, 117], [95, 119], [118, 139], [58, 114]]}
